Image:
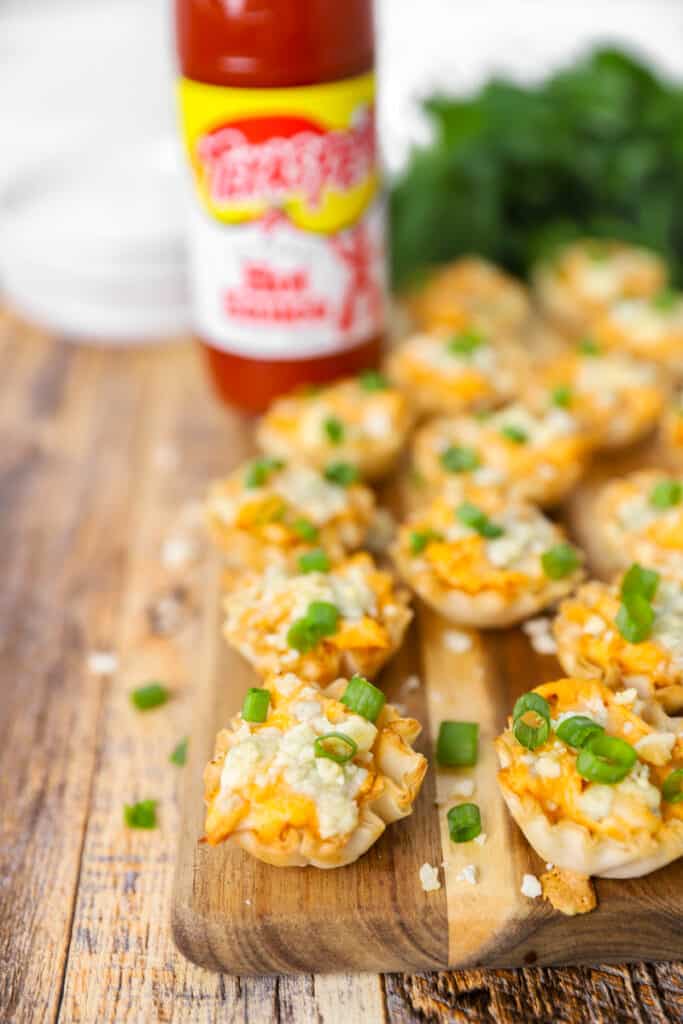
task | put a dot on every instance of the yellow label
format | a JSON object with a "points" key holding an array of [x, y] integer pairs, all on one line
{"points": [[308, 153]]}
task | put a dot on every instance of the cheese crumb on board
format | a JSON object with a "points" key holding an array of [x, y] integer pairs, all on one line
{"points": [[177, 552], [456, 641], [102, 663], [463, 787], [481, 838], [411, 684], [531, 887], [468, 874], [429, 878]]}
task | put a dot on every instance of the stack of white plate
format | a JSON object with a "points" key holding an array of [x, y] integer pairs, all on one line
{"points": [[93, 246]]}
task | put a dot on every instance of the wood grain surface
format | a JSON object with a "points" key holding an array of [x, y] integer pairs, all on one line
{"points": [[101, 453]]}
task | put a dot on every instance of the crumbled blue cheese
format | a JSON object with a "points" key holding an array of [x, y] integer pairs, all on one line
{"points": [[656, 748], [596, 801], [308, 490], [429, 878], [467, 874], [530, 886]]}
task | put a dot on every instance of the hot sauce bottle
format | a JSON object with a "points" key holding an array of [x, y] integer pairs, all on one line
{"points": [[287, 228]]}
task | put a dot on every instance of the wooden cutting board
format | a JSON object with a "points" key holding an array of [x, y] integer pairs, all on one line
{"points": [[234, 914]]}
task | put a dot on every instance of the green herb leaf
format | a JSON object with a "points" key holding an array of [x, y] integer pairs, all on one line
{"points": [[260, 470], [666, 494], [141, 815], [334, 428], [179, 753], [474, 517], [314, 561], [457, 459], [373, 380], [151, 695], [342, 473], [559, 561]]}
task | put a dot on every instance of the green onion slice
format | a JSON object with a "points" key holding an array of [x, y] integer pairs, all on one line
{"points": [[364, 699], [342, 473], [321, 620], [559, 561], [531, 720], [464, 823], [314, 561], [666, 494], [635, 619], [260, 470], [672, 788], [588, 347], [465, 343], [577, 730], [141, 815], [179, 753], [336, 746], [606, 759], [514, 434], [419, 539], [665, 300], [334, 428], [373, 380], [255, 705], [639, 581], [475, 517], [305, 529], [152, 695], [457, 743], [457, 459], [561, 396]]}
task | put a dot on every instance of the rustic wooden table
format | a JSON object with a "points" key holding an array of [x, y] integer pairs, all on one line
{"points": [[102, 460]]}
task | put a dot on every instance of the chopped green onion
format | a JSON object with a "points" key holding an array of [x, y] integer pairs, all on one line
{"points": [[672, 788], [559, 561], [255, 705], [464, 823], [419, 539], [665, 300], [457, 459], [141, 815], [666, 494], [364, 699], [465, 343], [342, 473], [334, 428], [320, 620], [605, 759], [259, 471], [373, 380], [179, 753], [531, 720], [457, 743], [336, 746], [474, 517], [561, 396], [314, 561], [635, 619], [151, 695], [514, 434], [305, 529], [588, 347], [577, 730], [639, 581]]}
